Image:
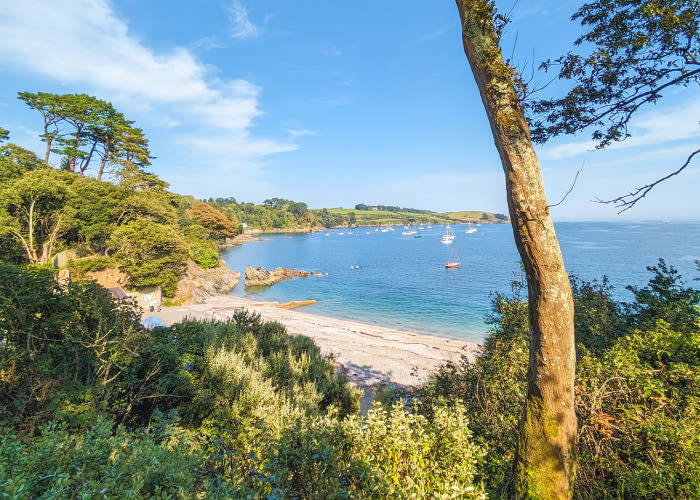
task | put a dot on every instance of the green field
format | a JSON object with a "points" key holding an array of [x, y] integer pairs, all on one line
{"points": [[383, 218]]}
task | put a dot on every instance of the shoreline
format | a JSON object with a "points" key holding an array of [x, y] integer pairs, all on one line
{"points": [[369, 355]]}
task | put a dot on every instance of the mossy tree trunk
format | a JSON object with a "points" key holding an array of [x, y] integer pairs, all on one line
{"points": [[547, 443]]}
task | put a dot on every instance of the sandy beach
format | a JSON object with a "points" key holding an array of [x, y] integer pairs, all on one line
{"points": [[369, 355]]}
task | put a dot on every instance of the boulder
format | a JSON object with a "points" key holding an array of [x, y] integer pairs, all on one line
{"points": [[263, 277], [197, 284]]}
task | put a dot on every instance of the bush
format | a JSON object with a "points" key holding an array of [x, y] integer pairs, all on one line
{"points": [[101, 463], [637, 390], [638, 413], [388, 454], [63, 347], [79, 267], [205, 256]]}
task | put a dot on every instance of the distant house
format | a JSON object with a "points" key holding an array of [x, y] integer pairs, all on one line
{"points": [[148, 298]]}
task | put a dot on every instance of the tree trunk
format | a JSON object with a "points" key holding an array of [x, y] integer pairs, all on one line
{"points": [[547, 443], [104, 161]]}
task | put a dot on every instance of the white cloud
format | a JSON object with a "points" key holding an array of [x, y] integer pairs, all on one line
{"points": [[241, 25], [83, 44]]}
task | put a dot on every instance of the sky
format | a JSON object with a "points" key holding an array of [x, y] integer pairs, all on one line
{"points": [[329, 103]]}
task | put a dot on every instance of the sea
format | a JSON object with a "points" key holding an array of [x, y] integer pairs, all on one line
{"points": [[383, 277]]}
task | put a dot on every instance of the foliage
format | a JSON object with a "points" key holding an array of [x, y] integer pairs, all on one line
{"points": [[79, 267], [220, 225], [33, 210], [639, 49], [233, 409], [632, 53], [639, 407], [80, 127], [637, 390], [493, 389], [152, 254], [100, 463], [598, 318], [388, 454], [206, 257], [664, 298], [94, 212], [62, 346], [15, 161]]}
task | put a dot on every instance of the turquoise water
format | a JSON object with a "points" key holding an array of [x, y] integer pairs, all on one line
{"points": [[402, 281]]}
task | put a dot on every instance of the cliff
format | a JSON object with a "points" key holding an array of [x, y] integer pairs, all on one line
{"points": [[197, 284]]}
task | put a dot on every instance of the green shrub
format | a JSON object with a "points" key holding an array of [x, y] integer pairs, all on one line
{"points": [[101, 463], [638, 414], [206, 257], [64, 347], [637, 390], [388, 454], [78, 267]]}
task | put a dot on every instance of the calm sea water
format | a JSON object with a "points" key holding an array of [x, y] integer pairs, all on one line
{"points": [[402, 281]]}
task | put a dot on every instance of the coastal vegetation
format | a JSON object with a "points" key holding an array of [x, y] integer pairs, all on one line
{"points": [[280, 214], [94, 404]]}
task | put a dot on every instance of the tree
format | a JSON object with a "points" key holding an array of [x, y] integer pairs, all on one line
{"points": [[152, 254], [80, 127], [214, 220], [129, 150], [15, 161], [547, 442], [633, 52], [86, 115], [4, 134], [48, 106], [32, 210]]}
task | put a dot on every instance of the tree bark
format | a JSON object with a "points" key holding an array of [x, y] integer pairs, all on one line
{"points": [[547, 444]]}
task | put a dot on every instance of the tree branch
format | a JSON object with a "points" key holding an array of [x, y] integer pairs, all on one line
{"points": [[629, 200], [570, 189]]}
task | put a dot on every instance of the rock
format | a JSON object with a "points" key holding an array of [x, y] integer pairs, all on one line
{"points": [[262, 277], [197, 284], [109, 278]]}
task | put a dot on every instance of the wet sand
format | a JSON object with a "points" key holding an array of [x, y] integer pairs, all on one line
{"points": [[369, 355]]}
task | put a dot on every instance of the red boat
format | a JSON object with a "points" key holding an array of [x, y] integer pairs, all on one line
{"points": [[453, 263]]}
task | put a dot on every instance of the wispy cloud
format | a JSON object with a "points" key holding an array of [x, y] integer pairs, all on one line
{"points": [[331, 50], [342, 100], [241, 25], [436, 33], [294, 133]]}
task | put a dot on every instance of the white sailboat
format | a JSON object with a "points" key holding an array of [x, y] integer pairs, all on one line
{"points": [[470, 229], [448, 237]]}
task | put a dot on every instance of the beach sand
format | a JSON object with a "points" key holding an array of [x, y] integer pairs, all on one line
{"points": [[369, 355]]}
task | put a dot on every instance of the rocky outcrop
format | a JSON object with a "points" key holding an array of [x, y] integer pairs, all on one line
{"points": [[109, 278], [198, 284], [262, 277]]}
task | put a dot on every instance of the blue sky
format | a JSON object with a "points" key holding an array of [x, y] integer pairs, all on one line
{"points": [[330, 103]]}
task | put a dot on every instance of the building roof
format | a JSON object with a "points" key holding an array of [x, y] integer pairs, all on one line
{"points": [[118, 292]]}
